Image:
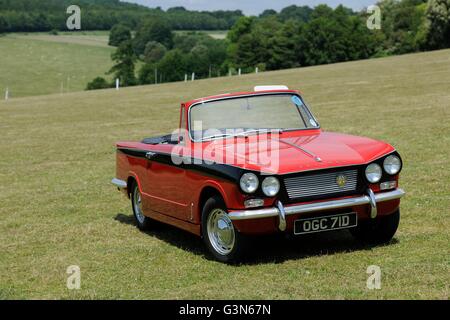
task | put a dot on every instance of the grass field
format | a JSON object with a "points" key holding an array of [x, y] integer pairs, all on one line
{"points": [[59, 209], [38, 64], [88, 38]]}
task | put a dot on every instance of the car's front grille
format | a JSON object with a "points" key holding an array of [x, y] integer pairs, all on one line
{"points": [[321, 184]]}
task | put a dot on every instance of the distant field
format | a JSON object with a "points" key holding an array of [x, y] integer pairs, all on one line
{"points": [[37, 64], [216, 34], [58, 207], [92, 38]]}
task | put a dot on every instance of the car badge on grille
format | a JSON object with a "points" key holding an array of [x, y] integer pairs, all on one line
{"points": [[341, 180]]}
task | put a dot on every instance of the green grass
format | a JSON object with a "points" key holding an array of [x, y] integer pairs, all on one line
{"points": [[58, 207], [38, 64]]}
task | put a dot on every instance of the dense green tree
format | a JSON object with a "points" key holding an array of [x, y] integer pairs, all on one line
{"points": [[186, 41], [147, 73], [251, 40], [154, 29], [118, 34], [3, 25], [98, 83], [403, 25], [268, 13], [124, 59], [322, 11], [45, 15], [438, 16], [298, 13], [173, 66], [154, 51], [285, 47], [241, 27], [199, 61]]}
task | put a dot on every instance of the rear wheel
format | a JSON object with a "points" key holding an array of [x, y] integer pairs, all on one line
{"points": [[142, 222], [377, 231], [224, 242]]}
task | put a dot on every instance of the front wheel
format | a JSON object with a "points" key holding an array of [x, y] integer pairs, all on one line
{"points": [[224, 242], [142, 222], [378, 231]]}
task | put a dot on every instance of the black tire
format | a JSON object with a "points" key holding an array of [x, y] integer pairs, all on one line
{"points": [[215, 206], [378, 231], [142, 222]]}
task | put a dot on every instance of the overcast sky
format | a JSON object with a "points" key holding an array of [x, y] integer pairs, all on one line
{"points": [[253, 7]]}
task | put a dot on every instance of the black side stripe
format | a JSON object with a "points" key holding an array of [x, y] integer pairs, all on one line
{"points": [[216, 170]]}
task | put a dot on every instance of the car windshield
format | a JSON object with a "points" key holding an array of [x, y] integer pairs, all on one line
{"points": [[249, 114]]}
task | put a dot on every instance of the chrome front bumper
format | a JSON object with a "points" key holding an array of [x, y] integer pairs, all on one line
{"points": [[119, 183], [282, 211]]}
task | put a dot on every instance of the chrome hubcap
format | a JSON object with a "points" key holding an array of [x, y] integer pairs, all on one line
{"points": [[137, 203], [220, 231]]}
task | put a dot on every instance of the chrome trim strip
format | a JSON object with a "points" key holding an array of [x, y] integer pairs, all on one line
{"points": [[373, 203], [282, 216], [119, 183], [317, 206]]}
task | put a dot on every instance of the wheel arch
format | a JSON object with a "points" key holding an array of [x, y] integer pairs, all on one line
{"points": [[207, 192], [132, 178]]}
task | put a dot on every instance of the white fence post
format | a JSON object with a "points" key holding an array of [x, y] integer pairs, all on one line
{"points": [[185, 77], [117, 83], [7, 94], [239, 72], [193, 76], [256, 70]]}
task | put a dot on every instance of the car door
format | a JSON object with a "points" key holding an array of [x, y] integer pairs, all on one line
{"points": [[166, 180]]}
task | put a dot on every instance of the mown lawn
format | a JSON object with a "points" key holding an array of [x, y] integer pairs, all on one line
{"points": [[58, 207], [40, 64]]}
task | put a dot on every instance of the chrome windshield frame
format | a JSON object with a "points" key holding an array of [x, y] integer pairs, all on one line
{"points": [[305, 105]]}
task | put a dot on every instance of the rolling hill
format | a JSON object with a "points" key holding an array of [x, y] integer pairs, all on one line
{"points": [[37, 64]]}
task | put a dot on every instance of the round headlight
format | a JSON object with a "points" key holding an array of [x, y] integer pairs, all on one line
{"points": [[392, 164], [373, 173], [270, 186], [249, 182]]}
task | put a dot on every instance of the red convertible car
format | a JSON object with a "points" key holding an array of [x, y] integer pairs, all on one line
{"points": [[253, 163]]}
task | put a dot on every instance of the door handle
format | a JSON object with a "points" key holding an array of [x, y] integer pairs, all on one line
{"points": [[149, 155]]}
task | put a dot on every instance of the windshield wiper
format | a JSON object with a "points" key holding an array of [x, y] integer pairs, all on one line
{"points": [[268, 131], [222, 135], [244, 134]]}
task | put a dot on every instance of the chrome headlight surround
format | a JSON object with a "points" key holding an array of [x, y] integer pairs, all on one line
{"points": [[392, 165], [249, 182], [270, 186], [373, 173]]}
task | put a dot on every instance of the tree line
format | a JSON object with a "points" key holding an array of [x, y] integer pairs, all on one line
{"points": [[47, 15], [324, 35], [294, 37]]}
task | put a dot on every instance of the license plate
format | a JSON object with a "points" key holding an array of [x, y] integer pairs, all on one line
{"points": [[327, 223]]}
